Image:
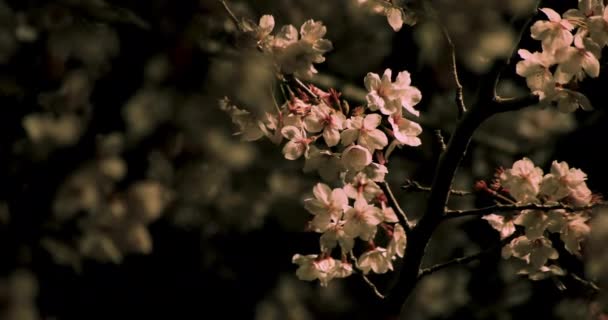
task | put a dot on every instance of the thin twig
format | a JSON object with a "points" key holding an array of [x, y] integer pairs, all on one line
{"points": [[293, 79], [392, 202], [587, 283], [459, 98], [462, 107], [232, 15], [366, 279], [414, 186], [465, 259], [516, 207], [373, 286]]}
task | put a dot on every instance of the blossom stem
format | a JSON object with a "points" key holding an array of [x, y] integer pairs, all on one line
{"points": [[392, 202], [298, 83]]}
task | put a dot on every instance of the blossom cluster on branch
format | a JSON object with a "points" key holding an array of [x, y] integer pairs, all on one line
{"points": [[571, 49], [525, 183], [349, 147]]}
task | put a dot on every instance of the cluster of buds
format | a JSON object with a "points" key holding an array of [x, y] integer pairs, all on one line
{"points": [[566, 57], [525, 184]]}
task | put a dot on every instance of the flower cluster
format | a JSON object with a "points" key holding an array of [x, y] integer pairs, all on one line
{"points": [[293, 53], [348, 148], [571, 49], [525, 184]]}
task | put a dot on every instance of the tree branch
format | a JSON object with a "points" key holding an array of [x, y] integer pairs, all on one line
{"points": [[414, 186], [485, 106], [516, 207], [392, 202], [466, 259]]}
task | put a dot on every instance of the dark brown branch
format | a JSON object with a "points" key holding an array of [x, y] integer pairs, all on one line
{"points": [[461, 260], [414, 186], [516, 207], [440, 142], [486, 106], [392, 202]]}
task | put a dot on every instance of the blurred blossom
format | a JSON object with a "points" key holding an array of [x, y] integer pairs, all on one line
{"points": [[43, 128], [20, 290], [248, 78], [293, 299], [235, 154], [492, 44], [282, 184], [479, 39], [440, 293], [572, 309], [597, 255], [93, 45], [145, 111], [541, 124]]}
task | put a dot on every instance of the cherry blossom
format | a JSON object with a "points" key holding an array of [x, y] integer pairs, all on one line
{"points": [[327, 164], [364, 131], [250, 128], [324, 118], [561, 181], [535, 252], [298, 142], [406, 132], [583, 57], [312, 268], [362, 219], [335, 235], [398, 242], [502, 223], [389, 97], [375, 260], [327, 205], [555, 33], [543, 272], [296, 56], [598, 25], [362, 186], [535, 68], [523, 180], [356, 158], [574, 232]]}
